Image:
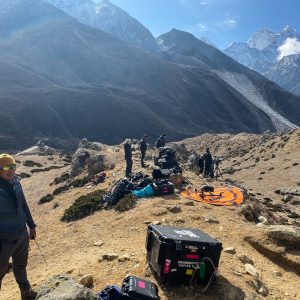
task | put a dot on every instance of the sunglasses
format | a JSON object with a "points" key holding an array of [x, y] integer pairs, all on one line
{"points": [[7, 168]]}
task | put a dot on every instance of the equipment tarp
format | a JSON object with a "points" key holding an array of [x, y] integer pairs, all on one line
{"points": [[222, 195]]}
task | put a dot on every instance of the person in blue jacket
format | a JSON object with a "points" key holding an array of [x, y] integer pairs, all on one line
{"points": [[14, 237]]}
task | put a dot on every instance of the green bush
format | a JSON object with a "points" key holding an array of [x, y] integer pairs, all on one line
{"points": [[83, 206], [126, 203], [31, 163], [60, 179], [46, 199]]}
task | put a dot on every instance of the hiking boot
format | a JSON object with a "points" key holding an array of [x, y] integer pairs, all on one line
{"points": [[28, 294]]}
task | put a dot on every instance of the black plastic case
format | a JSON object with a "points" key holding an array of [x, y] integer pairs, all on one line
{"points": [[135, 288], [182, 254], [163, 187]]}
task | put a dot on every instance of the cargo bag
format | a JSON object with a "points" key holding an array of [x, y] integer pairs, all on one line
{"points": [[182, 254], [134, 288], [163, 187]]}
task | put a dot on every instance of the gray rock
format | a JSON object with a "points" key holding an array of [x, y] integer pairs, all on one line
{"points": [[285, 233], [290, 190], [96, 165], [78, 161], [230, 250], [251, 270], [175, 209], [287, 198], [87, 280], [211, 220], [109, 256], [259, 287], [245, 259], [63, 287], [193, 161], [263, 220]]}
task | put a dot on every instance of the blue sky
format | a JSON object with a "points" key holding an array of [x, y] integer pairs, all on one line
{"points": [[222, 21]]}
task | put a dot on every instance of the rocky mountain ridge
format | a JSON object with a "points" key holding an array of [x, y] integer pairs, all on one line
{"points": [[64, 81]]}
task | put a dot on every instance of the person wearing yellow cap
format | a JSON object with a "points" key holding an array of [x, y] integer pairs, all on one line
{"points": [[14, 216]]}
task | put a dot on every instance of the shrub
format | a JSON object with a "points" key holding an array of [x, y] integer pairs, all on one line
{"points": [[126, 203], [31, 163], [46, 199], [83, 206], [60, 179]]}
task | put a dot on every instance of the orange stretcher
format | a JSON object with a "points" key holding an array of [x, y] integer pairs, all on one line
{"points": [[222, 195]]}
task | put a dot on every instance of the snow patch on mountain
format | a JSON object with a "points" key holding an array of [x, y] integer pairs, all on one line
{"points": [[244, 86]]}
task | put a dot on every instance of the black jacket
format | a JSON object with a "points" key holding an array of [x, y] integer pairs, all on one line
{"points": [[127, 150], [143, 145]]}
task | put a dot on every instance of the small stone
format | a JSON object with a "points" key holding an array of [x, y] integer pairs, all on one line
{"points": [[230, 250], [110, 256], [179, 220], [123, 258], [87, 280], [278, 273], [287, 198], [263, 219], [189, 203], [98, 244], [156, 222], [211, 220], [251, 270], [245, 259], [175, 209]]}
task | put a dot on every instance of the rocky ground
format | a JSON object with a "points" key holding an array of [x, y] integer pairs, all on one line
{"points": [[259, 260]]}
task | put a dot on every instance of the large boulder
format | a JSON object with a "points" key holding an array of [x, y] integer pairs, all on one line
{"points": [[193, 162], [79, 161], [63, 287], [96, 165], [290, 190], [285, 233]]}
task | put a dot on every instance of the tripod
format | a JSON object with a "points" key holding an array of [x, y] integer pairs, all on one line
{"points": [[218, 172]]}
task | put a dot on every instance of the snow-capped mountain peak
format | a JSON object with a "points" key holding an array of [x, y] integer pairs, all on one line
{"points": [[263, 38], [110, 19]]}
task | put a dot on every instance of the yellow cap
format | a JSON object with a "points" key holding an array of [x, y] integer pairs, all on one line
{"points": [[6, 160]]}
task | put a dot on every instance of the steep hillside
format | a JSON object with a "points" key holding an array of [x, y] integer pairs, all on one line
{"points": [[98, 87], [260, 163]]}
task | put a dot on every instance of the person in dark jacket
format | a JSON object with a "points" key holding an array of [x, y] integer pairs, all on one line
{"points": [[208, 163], [160, 142], [143, 148], [201, 164], [14, 216], [128, 157]]}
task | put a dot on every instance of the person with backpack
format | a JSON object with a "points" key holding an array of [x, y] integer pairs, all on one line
{"points": [[143, 148], [14, 216], [160, 142], [128, 157]]}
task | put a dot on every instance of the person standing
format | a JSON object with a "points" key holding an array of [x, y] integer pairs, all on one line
{"points": [[208, 163], [143, 148], [14, 237], [128, 157], [160, 142]]}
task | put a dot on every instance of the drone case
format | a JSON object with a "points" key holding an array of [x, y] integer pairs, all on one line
{"points": [[182, 254]]}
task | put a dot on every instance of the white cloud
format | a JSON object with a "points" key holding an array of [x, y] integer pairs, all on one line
{"points": [[289, 47]]}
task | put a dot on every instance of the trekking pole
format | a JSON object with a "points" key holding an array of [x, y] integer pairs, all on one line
{"points": [[40, 252]]}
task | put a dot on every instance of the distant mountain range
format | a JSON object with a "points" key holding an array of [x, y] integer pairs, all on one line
{"points": [[262, 54], [63, 80]]}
